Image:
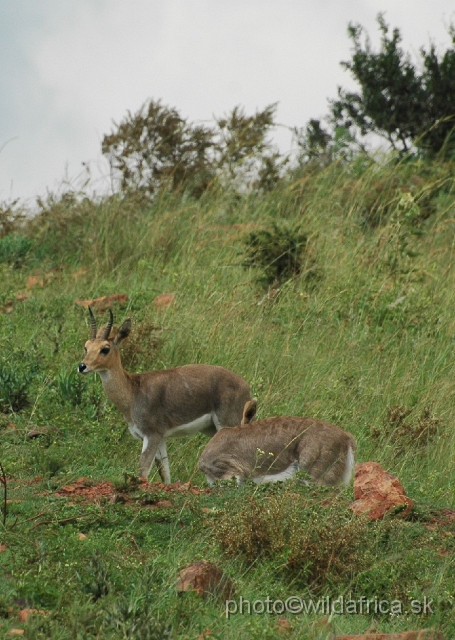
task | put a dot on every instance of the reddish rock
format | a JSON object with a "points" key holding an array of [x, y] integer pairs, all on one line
{"points": [[164, 503], [377, 492], [7, 307], [24, 614], [164, 300], [33, 281], [423, 634], [283, 625], [104, 302], [205, 579], [36, 433]]}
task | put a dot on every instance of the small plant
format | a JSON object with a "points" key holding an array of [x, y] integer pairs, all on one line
{"points": [[51, 465], [133, 619], [99, 585], [403, 229], [70, 387], [405, 433], [129, 483], [280, 253], [142, 347], [14, 249], [16, 376]]}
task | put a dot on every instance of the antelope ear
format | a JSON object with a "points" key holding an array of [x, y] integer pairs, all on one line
{"points": [[123, 332], [249, 411]]}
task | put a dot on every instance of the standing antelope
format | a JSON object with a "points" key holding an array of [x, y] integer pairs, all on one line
{"points": [[161, 404], [276, 448]]}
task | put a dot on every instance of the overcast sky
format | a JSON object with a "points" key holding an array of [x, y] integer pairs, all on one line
{"points": [[68, 68]]}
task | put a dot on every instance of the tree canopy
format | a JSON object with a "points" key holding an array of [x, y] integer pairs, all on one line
{"points": [[410, 105]]}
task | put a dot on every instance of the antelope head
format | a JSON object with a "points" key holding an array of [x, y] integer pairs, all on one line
{"points": [[101, 351]]}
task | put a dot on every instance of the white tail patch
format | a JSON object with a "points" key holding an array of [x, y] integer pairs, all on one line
{"points": [[190, 428], [349, 468], [216, 422], [282, 476]]}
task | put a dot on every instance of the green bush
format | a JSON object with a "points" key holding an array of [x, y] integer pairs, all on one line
{"points": [[279, 253], [16, 375], [15, 249], [79, 392], [70, 387], [313, 544]]}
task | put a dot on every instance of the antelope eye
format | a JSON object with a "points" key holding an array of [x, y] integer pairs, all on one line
{"points": [[105, 351], [85, 349]]}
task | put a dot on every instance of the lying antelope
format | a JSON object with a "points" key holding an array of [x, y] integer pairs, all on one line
{"points": [[161, 404], [276, 448]]}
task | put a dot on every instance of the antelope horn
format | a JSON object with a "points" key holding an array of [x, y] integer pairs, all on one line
{"points": [[92, 324], [108, 326]]}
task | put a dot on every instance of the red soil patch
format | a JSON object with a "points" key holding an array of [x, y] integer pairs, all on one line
{"points": [[89, 491], [445, 517], [440, 520]]}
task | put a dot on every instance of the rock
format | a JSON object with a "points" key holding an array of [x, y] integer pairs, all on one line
{"points": [[206, 579], [24, 614], [104, 302], [283, 626], [163, 504], [164, 300], [36, 433], [7, 307], [377, 492]]}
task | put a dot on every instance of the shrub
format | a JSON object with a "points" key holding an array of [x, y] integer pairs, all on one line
{"points": [[16, 375], [408, 433], [14, 249], [99, 583], [135, 619], [280, 253], [314, 543], [142, 347], [72, 388]]}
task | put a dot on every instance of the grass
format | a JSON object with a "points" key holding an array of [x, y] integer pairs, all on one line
{"points": [[367, 345]]}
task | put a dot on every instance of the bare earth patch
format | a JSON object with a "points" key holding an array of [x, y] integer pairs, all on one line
{"points": [[89, 491]]}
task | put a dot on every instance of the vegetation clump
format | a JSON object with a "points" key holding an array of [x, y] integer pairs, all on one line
{"points": [[14, 249], [315, 543], [407, 434], [17, 372], [279, 253]]}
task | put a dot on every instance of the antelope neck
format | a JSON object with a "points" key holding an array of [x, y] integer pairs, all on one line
{"points": [[119, 389]]}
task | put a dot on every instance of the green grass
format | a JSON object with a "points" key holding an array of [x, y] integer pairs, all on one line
{"points": [[373, 331]]}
